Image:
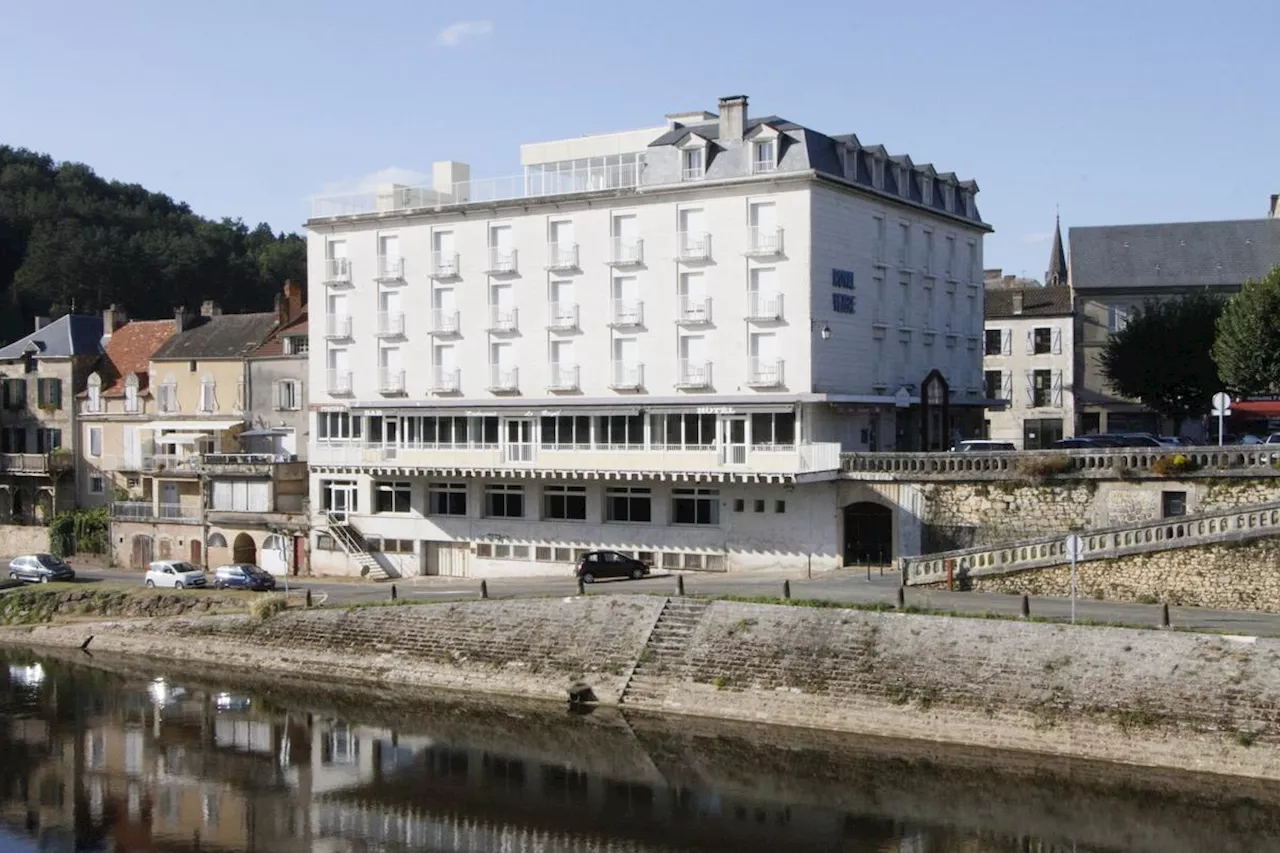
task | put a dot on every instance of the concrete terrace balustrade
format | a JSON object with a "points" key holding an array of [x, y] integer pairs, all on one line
{"points": [[1118, 463], [1143, 537]]}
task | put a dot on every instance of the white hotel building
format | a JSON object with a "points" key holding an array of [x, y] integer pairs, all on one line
{"points": [[657, 341]]}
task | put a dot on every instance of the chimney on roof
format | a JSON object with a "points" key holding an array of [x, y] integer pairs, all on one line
{"points": [[733, 118], [41, 322], [210, 308], [292, 301], [113, 317], [1017, 301], [181, 319], [1274, 213]]}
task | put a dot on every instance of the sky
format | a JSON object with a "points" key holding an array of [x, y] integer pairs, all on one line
{"points": [[1109, 111]]}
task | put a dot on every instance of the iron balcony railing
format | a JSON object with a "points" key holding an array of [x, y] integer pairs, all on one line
{"points": [[562, 256], [765, 373], [445, 323], [693, 246], [564, 377], [338, 382], [562, 316], [765, 241], [695, 310], [503, 319], [445, 265], [626, 251], [763, 307], [390, 268], [390, 324], [337, 271], [501, 261], [694, 374], [628, 313], [503, 378], [337, 327], [390, 381], [446, 381], [627, 377]]}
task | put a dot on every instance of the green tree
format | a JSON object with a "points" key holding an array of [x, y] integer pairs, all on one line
{"points": [[1163, 356], [1247, 349]]}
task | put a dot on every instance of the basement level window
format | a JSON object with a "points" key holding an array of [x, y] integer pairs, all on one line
{"points": [[1173, 504]]}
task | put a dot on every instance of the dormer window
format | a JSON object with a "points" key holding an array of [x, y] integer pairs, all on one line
{"points": [[693, 164], [926, 189], [948, 197], [167, 394], [131, 393], [903, 185], [877, 173], [764, 156], [968, 204], [208, 394], [94, 401]]}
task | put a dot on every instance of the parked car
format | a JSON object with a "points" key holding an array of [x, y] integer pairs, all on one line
{"points": [[982, 445], [1176, 441], [1075, 443], [1274, 438], [608, 564], [174, 574], [1247, 439], [1136, 439], [243, 576], [40, 568]]}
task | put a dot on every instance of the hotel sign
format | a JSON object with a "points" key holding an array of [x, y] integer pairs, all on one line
{"points": [[843, 299]]}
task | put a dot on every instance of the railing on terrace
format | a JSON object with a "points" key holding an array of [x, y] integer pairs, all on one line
{"points": [[243, 458], [147, 511], [1111, 463], [535, 184], [24, 463], [1157, 535]]}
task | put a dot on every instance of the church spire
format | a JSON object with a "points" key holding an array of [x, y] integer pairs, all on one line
{"points": [[1057, 273]]}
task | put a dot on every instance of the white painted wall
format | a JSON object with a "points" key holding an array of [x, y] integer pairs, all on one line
{"points": [[1016, 361]]}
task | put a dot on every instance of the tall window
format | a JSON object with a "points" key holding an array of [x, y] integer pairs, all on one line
{"points": [[1041, 340], [288, 398], [628, 503], [773, 429], [564, 503], [94, 401], [689, 431], [208, 397], [695, 506], [502, 500], [764, 156], [49, 393], [993, 384], [1041, 388], [167, 395], [95, 441], [566, 431], [620, 430], [447, 498], [337, 426], [994, 342], [392, 497], [693, 165], [131, 394]]}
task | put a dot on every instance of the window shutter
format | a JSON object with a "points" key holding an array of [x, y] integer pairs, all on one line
{"points": [[1031, 342], [1031, 388], [1007, 390], [222, 494], [1057, 387], [41, 385], [1006, 343], [278, 390], [1057, 341]]}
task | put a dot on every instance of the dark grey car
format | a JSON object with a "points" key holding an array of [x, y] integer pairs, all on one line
{"points": [[40, 568]]}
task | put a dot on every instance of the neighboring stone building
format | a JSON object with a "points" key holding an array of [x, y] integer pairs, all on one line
{"points": [[1028, 356], [1116, 268], [41, 375]]}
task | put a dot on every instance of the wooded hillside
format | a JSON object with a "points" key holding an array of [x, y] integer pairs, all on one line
{"points": [[68, 237]]}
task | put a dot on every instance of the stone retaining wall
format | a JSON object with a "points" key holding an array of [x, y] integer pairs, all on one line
{"points": [[1231, 576], [1142, 697]]}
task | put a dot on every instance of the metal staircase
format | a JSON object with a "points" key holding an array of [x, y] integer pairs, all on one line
{"points": [[351, 540], [665, 655]]}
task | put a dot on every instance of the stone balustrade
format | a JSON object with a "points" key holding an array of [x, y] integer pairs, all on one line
{"points": [[1159, 535], [1118, 463]]}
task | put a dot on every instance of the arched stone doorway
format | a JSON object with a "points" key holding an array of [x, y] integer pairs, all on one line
{"points": [[244, 550], [868, 534], [140, 551]]}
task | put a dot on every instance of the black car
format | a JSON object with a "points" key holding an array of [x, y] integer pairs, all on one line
{"points": [[243, 576], [608, 564]]}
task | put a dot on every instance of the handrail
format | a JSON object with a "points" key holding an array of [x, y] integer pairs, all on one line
{"points": [[1108, 463]]}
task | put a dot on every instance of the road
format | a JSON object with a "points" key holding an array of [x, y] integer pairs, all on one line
{"points": [[844, 586]]}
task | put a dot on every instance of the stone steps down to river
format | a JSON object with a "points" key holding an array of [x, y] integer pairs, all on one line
{"points": [[664, 656], [1145, 697], [1234, 525]]}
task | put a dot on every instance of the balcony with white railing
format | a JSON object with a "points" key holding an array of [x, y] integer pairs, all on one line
{"points": [[627, 313], [390, 324], [532, 184], [503, 380], [445, 323], [765, 242], [172, 463], [446, 381], [564, 377], [390, 268], [148, 511], [445, 265], [503, 320], [765, 373], [626, 251], [562, 257], [693, 246], [693, 374], [501, 261], [627, 377], [337, 327], [694, 310], [764, 307], [338, 382], [562, 316], [337, 272], [390, 381]]}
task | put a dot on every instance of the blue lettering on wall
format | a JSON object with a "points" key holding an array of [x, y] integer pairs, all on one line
{"points": [[843, 303], [842, 279]]}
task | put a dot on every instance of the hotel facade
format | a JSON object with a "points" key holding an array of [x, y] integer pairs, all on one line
{"points": [[657, 342]]}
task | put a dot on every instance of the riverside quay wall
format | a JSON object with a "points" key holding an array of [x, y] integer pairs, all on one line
{"points": [[1155, 698]]}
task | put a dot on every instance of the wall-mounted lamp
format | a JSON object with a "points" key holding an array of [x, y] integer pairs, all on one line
{"points": [[825, 331]]}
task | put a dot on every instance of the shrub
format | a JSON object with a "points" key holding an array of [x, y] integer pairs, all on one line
{"points": [[1178, 463], [1046, 466], [80, 531], [267, 606]]}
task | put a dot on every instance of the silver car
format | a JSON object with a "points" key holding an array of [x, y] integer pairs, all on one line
{"points": [[40, 568]]}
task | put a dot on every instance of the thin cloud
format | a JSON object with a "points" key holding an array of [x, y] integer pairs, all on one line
{"points": [[370, 182], [453, 34], [1036, 237]]}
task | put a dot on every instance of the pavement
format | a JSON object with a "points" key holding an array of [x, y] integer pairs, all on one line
{"points": [[845, 586]]}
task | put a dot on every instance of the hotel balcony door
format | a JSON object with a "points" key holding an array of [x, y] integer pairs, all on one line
{"points": [[518, 440], [733, 440]]}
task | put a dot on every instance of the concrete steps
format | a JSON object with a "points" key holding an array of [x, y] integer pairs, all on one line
{"points": [[665, 654]]}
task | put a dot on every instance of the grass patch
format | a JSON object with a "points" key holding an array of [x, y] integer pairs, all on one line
{"points": [[267, 606], [1246, 738], [1045, 467]]}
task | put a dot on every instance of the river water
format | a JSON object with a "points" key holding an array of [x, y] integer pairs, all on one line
{"points": [[129, 755]]}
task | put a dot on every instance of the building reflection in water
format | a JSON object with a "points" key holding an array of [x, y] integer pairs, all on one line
{"points": [[94, 759]]}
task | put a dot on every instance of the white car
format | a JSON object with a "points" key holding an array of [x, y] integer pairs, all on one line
{"points": [[174, 574]]}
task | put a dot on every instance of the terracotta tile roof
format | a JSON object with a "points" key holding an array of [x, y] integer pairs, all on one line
{"points": [[274, 344], [129, 351]]}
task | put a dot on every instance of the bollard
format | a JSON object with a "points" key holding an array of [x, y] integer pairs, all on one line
{"points": [[786, 590], [1164, 616], [393, 592], [1026, 607], [902, 598], [308, 598], [679, 584], [868, 571], [484, 589], [582, 587]]}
